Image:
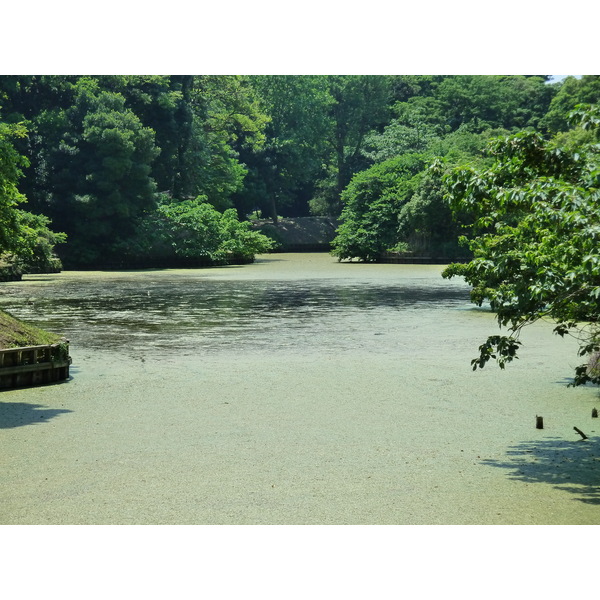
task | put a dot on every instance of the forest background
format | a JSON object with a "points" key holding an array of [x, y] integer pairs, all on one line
{"points": [[116, 169]]}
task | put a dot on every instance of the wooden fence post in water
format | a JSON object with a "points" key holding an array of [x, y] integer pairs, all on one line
{"points": [[539, 422], [594, 413], [585, 437]]}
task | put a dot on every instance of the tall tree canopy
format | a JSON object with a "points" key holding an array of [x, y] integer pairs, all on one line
{"points": [[372, 203], [283, 170], [101, 181], [534, 237], [360, 104], [10, 197], [26, 240], [569, 93]]}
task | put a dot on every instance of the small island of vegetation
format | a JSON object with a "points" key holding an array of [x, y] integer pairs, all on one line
{"points": [[14, 333]]}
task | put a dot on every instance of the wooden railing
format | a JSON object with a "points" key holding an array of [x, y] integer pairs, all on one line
{"points": [[34, 365]]}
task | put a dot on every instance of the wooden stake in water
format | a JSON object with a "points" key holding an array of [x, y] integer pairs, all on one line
{"points": [[539, 422], [594, 413]]}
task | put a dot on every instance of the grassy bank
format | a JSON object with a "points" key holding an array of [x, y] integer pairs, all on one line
{"points": [[15, 333]]}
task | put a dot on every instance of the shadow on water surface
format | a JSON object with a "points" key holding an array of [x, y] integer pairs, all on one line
{"points": [[17, 414], [570, 466]]}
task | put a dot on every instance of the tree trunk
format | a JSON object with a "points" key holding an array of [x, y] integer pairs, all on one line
{"points": [[273, 208]]}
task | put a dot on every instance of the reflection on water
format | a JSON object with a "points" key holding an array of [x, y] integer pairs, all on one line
{"points": [[162, 311]]}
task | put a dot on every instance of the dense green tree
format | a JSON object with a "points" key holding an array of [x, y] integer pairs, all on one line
{"points": [[491, 101], [360, 103], [100, 182], [425, 222], [228, 119], [405, 87], [36, 252], [179, 134], [464, 144], [314, 141], [534, 236], [434, 110], [449, 117], [195, 231], [11, 163], [410, 131], [162, 103], [284, 169], [480, 101], [26, 241], [372, 203], [24, 98], [425, 225], [570, 92]]}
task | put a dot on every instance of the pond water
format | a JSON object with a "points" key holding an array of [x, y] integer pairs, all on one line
{"points": [[257, 308], [293, 390]]}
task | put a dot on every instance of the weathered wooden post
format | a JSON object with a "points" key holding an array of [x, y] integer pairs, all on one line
{"points": [[594, 413], [539, 422]]}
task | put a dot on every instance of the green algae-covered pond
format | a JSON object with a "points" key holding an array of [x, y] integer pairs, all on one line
{"points": [[295, 390]]}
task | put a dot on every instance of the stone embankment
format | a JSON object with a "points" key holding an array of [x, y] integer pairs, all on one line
{"points": [[301, 234]]}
